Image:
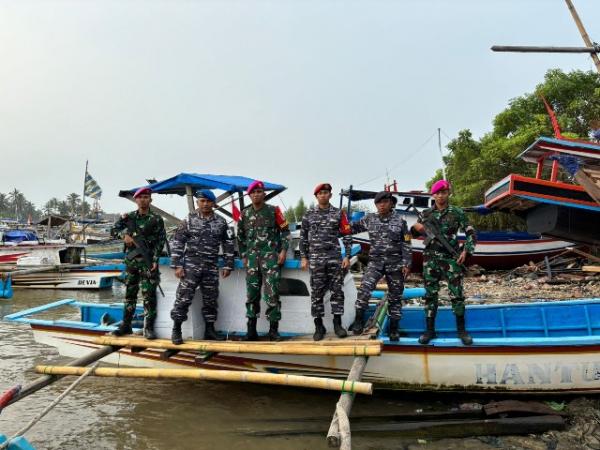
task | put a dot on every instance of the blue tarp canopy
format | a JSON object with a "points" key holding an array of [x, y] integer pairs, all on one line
{"points": [[178, 183], [19, 236]]}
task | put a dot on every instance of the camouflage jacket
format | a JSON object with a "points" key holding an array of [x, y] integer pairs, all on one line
{"points": [[197, 240], [149, 227], [262, 231], [321, 230], [451, 220], [389, 237]]}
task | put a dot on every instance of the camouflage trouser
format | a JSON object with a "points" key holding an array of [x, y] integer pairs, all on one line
{"points": [[436, 267], [326, 274], [205, 277], [395, 281], [137, 274], [263, 268]]}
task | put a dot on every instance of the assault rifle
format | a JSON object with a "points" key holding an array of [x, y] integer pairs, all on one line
{"points": [[434, 232], [141, 249]]}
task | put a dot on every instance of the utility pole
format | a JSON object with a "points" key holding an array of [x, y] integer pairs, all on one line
{"points": [[586, 39], [441, 154]]}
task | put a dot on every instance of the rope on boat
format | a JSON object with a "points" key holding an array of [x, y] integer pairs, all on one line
{"points": [[48, 408]]}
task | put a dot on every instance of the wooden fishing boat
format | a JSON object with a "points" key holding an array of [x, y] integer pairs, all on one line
{"points": [[43, 264], [524, 348], [551, 206], [495, 250], [519, 348]]}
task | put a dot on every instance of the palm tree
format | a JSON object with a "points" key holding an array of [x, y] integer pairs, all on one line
{"points": [[73, 202], [3, 204], [17, 200]]}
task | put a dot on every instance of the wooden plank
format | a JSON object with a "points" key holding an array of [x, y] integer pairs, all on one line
{"points": [[516, 406], [584, 254], [591, 268], [438, 429], [218, 375]]}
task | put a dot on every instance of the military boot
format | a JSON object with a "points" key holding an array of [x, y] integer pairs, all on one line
{"points": [[273, 331], [429, 332], [251, 335], [338, 328], [359, 322], [176, 337], [461, 332], [393, 332], [210, 334], [149, 328], [125, 326], [319, 329]]}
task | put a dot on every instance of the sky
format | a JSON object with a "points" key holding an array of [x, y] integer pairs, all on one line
{"points": [[295, 92]]}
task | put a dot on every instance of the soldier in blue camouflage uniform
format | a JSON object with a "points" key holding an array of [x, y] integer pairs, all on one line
{"points": [[148, 228], [263, 242], [322, 226], [390, 255], [439, 263], [194, 256]]}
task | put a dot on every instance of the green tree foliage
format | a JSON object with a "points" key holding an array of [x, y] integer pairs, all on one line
{"points": [[473, 166], [296, 213]]}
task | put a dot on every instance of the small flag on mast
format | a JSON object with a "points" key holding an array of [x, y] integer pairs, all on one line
{"points": [[91, 187]]}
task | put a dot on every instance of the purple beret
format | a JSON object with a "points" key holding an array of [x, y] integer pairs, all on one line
{"points": [[255, 185], [439, 185], [142, 191]]}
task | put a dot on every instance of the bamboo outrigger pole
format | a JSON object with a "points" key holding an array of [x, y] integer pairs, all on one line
{"points": [[280, 348], [46, 380], [218, 375]]}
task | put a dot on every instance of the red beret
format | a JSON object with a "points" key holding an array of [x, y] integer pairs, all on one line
{"points": [[142, 191], [255, 185], [322, 187]]}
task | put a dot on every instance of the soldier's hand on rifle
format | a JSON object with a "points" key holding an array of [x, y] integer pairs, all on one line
{"points": [[462, 257], [225, 273], [345, 263], [281, 257], [405, 271], [179, 272], [154, 267], [128, 241], [245, 262], [304, 263]]}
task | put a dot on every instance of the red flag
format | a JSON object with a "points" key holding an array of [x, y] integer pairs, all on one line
{"points": [[280, 219], [235, 212], [345, 228]]}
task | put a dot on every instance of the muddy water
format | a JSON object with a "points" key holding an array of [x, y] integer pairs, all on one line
{"points": [[132, 414]]}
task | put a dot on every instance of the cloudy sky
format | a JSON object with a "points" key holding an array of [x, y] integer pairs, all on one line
{"points": [[291, 91]]}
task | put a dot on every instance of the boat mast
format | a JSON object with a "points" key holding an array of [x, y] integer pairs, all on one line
{"points": [[83, 202], [586, 38]]}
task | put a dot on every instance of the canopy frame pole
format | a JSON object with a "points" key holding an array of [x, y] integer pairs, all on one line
{"points": [[190, 198]]}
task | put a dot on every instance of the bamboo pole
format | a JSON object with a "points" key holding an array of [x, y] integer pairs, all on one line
{"points": [[43, 381], [543, 49], [218, 375], [586, 38], [280, 348], [334, 436]]}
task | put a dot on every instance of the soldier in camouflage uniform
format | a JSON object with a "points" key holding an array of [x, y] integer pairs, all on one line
{"points": [[263, 242], [146, 227], [390, 255], [195, 258], [440, 263], [322, 226]]}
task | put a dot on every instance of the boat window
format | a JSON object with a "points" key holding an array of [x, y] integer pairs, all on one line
{"points": [[291, 286]]}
